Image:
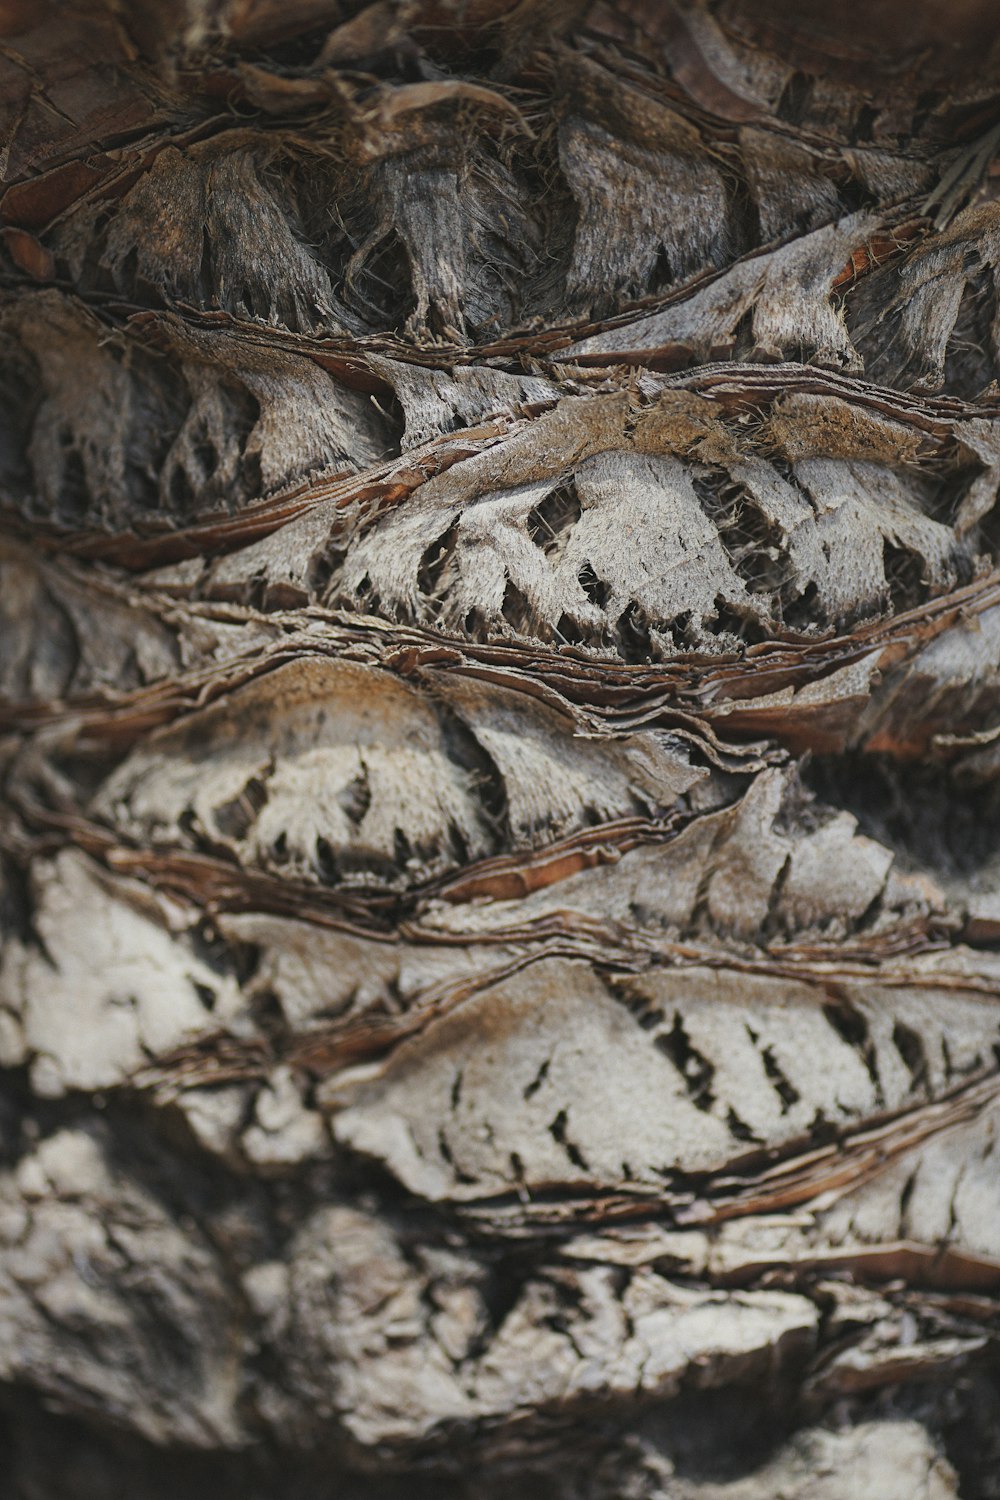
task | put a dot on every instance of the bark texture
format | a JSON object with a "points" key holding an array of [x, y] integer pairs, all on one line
{"points": [[500, 736]]}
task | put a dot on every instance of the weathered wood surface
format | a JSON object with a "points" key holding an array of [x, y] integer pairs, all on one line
{"points": [[499, 686]]}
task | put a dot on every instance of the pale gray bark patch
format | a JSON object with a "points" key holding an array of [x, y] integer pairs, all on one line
{"points": [[116, 435], [203, 223], [298, 772], [787, 293], [110, 1308], [908, 329]]}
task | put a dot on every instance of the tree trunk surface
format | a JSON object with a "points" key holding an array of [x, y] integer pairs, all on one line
{"points": [[500, 738]]}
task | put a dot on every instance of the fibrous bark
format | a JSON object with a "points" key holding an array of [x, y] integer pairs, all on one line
{"points": [[499, 681]]}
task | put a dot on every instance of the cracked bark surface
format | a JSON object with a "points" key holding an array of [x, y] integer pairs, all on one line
{"points": [[499, 674]]}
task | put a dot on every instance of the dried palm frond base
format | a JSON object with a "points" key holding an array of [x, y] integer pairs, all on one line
{"points": [[500, 750]]}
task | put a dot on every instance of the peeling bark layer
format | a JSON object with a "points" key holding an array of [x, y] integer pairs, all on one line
{"points": [[499, 675]]}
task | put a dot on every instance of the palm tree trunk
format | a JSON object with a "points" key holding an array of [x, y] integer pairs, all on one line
{"points": [[500, 670]]}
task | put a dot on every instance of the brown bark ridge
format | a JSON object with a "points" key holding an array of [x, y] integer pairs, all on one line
{"points": [[500, 671]]}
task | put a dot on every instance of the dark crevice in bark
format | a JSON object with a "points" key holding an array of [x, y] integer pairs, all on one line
{"points": [[928, 818]]}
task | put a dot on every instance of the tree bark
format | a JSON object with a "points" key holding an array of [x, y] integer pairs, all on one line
{"points": [[500, 671]]}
